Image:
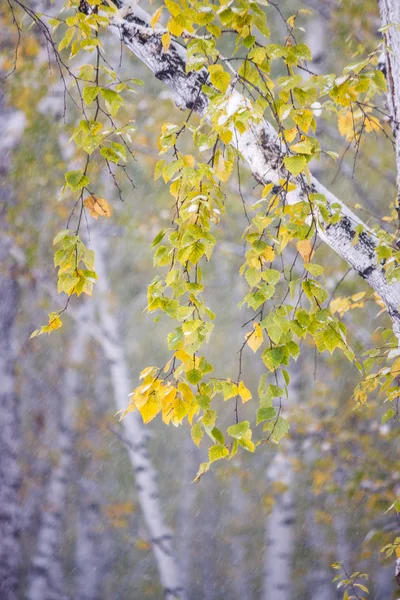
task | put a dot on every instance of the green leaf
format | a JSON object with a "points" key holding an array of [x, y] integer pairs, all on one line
{"points": [[90, 93], [278, 428], [61, 235], [219, 78], [76, 180], [389, 414], [110, 154], [295, 164], [217, 452], [265, 414], [314, 269], [197, 433], [194, 376], [239, 430]]}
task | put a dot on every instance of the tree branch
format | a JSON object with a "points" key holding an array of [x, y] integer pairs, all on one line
{"points": [[260, 147]]}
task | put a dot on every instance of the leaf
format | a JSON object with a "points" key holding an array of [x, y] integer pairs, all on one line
{"points": [[110, 154], [219, 78], [150, 409], [194, 376], [61, 235], [166, 41], [53, 324], [316, 270], [389, 414], [255, 338], [217, 452], [265, 414], [202, 469], [395, 368], [239, 430], [197, 433], [76, 180], [305, 250], [278, 428], [244, 393], [156, 17], [90, 93], [295, 164], [97, 207]]}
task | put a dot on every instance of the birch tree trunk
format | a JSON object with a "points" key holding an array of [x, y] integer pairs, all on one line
{"points": [[240, 583], [320, 584], [390, 18], [187, 531], [46, 581], [10, 435], [259, 146], [136, 437], [89, 559], [279, 534], [279, 527], [11, 125]]}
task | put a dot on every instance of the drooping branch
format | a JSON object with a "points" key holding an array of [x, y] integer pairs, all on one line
{"points": [[260, 147]]}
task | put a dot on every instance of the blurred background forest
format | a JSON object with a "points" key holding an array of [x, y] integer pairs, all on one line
{"points": [[275, 520]]}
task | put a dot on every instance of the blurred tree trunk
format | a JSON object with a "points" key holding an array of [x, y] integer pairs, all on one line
{"points": [[89, 558], [211, 527], [46, 580], [240, 583], [187, 510], [279, 527], [279, 532], [319, 575], [10, 422], [136, 437]]}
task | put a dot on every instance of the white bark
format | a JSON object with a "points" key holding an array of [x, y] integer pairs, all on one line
{"points": [[240, 582], [89, 558], [390, 15], [136, 436], [259, 146], [279, 537], [280, 524], [319, 573], [46, 580], [11, 124], [187, 515], [10, 438]]}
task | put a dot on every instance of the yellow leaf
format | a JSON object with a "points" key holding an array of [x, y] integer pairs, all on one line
{"points": [[357, 297], [305, 250], [372, 124], [174, 27], [156, 17], [255, 338], [188, 160], [97, 207], [395, 369], [166, 41], [290, 134], [346, 125], [244, 393], [180, 410], [186, 392], [150, 409], [268, 254]]}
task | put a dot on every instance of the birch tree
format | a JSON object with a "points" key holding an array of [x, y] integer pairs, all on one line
{"points": [[11, 123], [136, 439], [237, 110], [46, 578]]}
